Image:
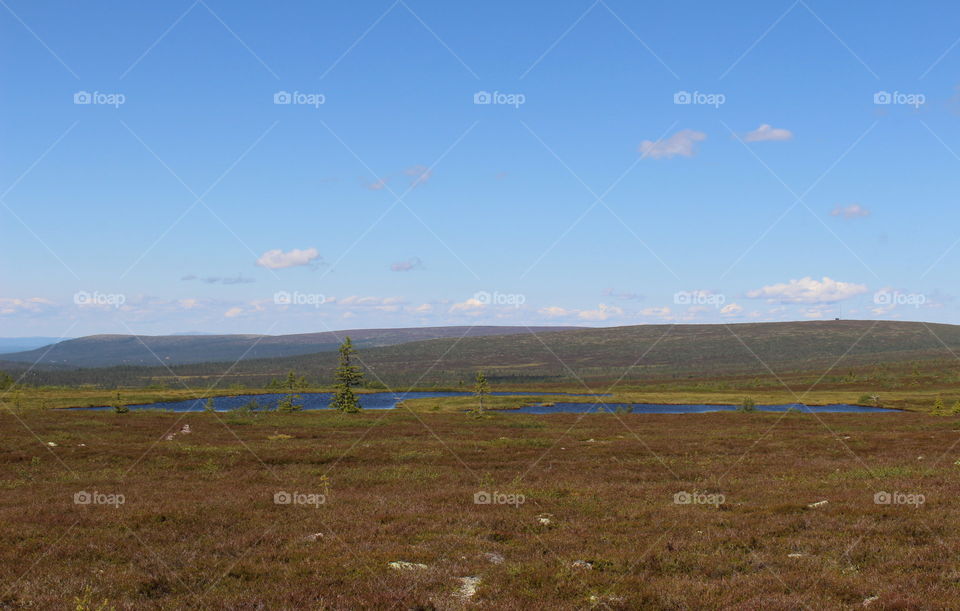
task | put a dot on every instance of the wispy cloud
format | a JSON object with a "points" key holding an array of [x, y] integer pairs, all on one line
{"points": [[660, 312], [278, 259], [768, 133], [683, 144], [731, 309], [406, 266], [808, 290], [377, 185], [420, 175], [626, 296], [238, 279], [853, 211], [602, 312], [14, 305]]}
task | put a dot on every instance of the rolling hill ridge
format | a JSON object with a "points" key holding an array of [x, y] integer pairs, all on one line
{"points": [[150, 350]]}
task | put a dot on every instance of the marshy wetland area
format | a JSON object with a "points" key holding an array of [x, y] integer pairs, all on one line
{"points": [[432, 504]]}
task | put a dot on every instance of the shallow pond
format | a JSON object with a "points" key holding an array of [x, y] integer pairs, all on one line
{"points": [[389, 400], [659, 408]]}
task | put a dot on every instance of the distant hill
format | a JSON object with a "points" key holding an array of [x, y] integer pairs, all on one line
{"points": [[643, 352], [145, 350], [20, 344]]}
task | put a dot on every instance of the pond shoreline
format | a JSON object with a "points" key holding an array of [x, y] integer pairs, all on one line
{"points": [[434, 401]]}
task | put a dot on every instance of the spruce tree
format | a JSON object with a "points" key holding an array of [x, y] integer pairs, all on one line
{"points": [[118, 405], [481, 389], [938, 407], [346, 377]]}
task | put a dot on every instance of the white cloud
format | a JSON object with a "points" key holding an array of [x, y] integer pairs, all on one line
{"points": [[662, 312], [406, 266], [378, 185], [682, 143], [14, 305], [420, 173], [610, 292], [277, 259], [233, 312], [376, 302], [809, 290], [470, 306], [816, 311], [602, 312], [853, 211], [731, 309], [766, 133]]}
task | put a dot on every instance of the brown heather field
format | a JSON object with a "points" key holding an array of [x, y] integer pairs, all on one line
{"points": [[199, 529]]}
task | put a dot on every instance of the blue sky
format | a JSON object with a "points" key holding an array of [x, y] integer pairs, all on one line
{"points": [[183, 198]]}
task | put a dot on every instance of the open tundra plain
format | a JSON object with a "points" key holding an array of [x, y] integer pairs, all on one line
{"points": [[399, 509]]}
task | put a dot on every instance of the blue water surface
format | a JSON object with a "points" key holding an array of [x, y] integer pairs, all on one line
{"points": [[663, 408], [389, 400], [321, 400]]}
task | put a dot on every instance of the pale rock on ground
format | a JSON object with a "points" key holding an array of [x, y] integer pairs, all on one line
{"points": [[403, 565], [493, 557], [468, 587]]}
